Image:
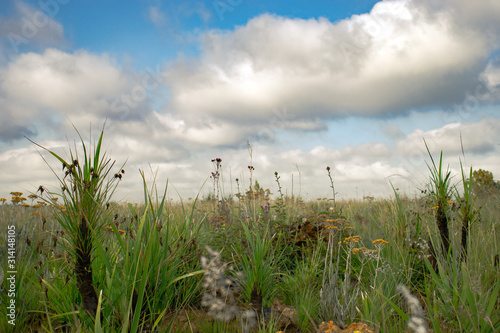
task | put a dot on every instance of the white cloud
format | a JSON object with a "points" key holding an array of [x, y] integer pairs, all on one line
{"points": [[31, 26], [388, 61], [156, 16], [477, 138], [60, 81], [43, 89]]}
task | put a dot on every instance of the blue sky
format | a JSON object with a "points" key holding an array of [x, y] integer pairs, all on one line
{"points": [[120, 28], [356, 85]]}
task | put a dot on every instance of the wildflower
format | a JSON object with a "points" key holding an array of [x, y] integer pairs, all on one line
{"points": [[358, 249], [219, 289], [353, 239], [349, 228], [25, 205], [364, 251], [380, 241], [450, 202], [435, 207], [266, 208], [329, 227], [3, 200], [417, 321]]}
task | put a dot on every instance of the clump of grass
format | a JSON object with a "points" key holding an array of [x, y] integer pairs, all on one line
{"points": [[468, 213], [86, 190], [258, 261], [441, 193]]}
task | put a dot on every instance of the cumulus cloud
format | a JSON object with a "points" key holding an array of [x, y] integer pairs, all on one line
{"points": [[395, 58], [31, 27], [474, 138], [53, 86]]}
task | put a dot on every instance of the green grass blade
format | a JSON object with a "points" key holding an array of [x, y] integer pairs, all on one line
{"points": [[97, 326]]}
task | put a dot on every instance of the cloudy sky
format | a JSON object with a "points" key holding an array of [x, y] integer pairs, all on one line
{"points": [[354, 85]]}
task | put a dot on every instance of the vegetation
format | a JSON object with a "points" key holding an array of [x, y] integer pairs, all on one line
{"points": [[251, 262]]}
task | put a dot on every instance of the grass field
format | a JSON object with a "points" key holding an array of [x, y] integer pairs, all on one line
{"points": [[249, 262]]}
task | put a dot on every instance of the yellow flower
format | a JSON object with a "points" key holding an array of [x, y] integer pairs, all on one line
{"points": [[450, 201], [328, 227], [358, 249], [435, 207], [353, 239], [363, 250], [380, 241]]}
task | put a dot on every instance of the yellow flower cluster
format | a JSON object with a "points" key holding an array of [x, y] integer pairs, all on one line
{"points": [[328, 227], [363, 250], [380, 241], [328, 327], [339, 221], [352, 239]]}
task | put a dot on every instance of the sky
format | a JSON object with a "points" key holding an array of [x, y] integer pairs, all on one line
{"points": [[354, 85]]}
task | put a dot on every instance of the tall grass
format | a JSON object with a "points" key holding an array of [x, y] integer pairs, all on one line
{"points": [[148, 274], [86, 190], [441, 189]]}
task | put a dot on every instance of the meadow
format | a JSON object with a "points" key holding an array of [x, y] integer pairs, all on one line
{"points": [[252, 261]]}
